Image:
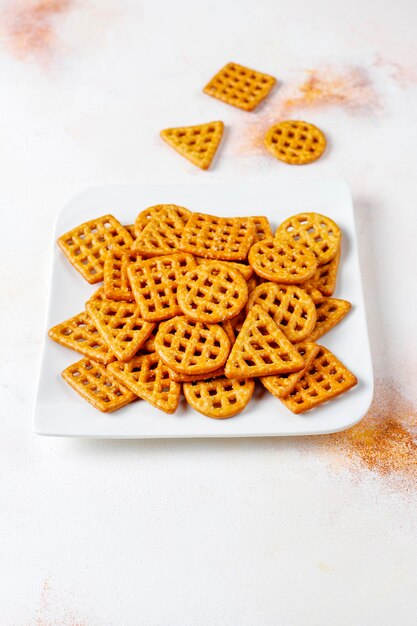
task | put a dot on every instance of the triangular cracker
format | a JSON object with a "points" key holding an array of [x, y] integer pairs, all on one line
{"points": [[80, 334], [330, 311], [198, 144], [325, 379], [119, 323], [261, 349], [148, 378], [280, 386]]}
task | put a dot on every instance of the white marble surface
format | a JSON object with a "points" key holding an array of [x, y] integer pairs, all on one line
{"points": [[236, 532]]}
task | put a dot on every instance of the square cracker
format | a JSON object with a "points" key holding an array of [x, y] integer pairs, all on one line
{"points": [[240, 86]]}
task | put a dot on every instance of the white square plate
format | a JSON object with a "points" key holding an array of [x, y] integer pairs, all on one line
{"points": [[60, 411]]}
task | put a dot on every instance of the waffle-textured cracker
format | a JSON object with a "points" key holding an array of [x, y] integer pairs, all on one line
{"points": [[330, 311], [318, 232], [282, 385], [198, 143], [261, 349], [147, 377], [93, 382], [295, 142], [119, 323], [325, 379], [162, 232], [130, 229], [190, 378], [212, 293], [262, 228], [240, 86], [157, 211], [220, 397], [154, 283], [289, 306], [245, 270], [80, 334], [191, 347], [324, 280], [282, 260], [221, 238], [116, 284], [86, 246]]}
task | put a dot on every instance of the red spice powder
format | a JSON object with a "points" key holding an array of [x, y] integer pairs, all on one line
{"points": [[404, 75], [29, 27]]}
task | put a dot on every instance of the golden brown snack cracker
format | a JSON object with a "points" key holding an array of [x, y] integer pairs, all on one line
{"points": [[282, 260], [93, 382], [244, 269], [198, 144], [325, 379], [330, 312], [295, 142], [154, 283], [221, 238], [116, 284], [280, 386], [156, 212], [318, 232], [119, 324], [147, 377], [163, 230], [212, 293], [240, 86], [86, 246], [262, 228], [289, 306], [80, 334], [324, 280], [191, 347], [261, 349], [219, 398]]}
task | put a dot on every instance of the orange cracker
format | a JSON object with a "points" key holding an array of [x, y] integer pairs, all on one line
{"points": [[289, 306], [219, 398], [261, 349], [163, 230], [325, 379], [86, 246], [80, 334], [282, 385], [318, 232], [245, 270], [324, 280], [198, 144], [282, 260], [330, 311], [221, 238], [154, 283], [295, 142], [212, 293], [240, 86], [93, 382], [191, 347], [116, 283], [147, 377], [119, 323]]}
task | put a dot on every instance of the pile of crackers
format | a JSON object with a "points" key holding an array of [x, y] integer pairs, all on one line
{"points": [[205, 305]]}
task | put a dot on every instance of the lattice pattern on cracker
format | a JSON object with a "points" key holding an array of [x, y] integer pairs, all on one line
{"points": [[245, 270], [330, 311], [318, 232], [147, 377], [212, 293], [93, 382], [240, 86], [220, 397], [227, 239], [324, 280], [295, 142], [119, 323], [158, 211], [198, 144], [116, 284], [282, 260], [262, 228], [130, 229], [289, 306], [261, 349], [86, 246], [80, 334], [191, 347], [282, 385], [325, 379], [190, 378], [154, 283], [163, 230]]}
